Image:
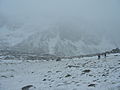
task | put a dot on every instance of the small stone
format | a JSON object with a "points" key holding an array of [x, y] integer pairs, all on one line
{"points": [[11, 76], [86, 71], [58, 71], [44, 79], [58, 59], [4, 76], [91, 85], [49, 71], [27, 87], [68, 75]]}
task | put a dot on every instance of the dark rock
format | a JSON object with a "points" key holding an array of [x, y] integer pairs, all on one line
{"points": [[68, 75], [44, 79], [103, 75], [4, 76], [86, 71], [49, 71], [91, 85], [11, 76], [70, 66], [27, 87], [58, 59], [90, 75], [58, 71]]}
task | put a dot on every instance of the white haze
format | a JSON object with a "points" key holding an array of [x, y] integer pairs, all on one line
{"points": [[99, 17]]}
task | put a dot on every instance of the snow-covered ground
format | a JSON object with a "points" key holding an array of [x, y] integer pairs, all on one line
{"points": [[87, 73]]}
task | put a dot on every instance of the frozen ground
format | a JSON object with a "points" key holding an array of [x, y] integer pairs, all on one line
{"points": [[69, 74]]}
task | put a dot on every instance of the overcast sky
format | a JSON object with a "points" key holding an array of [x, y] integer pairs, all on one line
{"points": [[88, 9], [103, 14]]}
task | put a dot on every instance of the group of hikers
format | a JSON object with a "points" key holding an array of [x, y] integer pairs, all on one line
{"points": [[99, 55]]}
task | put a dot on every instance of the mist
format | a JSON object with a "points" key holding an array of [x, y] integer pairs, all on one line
{"points": [[59, 44], [98, 17]]}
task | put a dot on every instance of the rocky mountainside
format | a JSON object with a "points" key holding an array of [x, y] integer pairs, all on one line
{"points": [[62, 39]]}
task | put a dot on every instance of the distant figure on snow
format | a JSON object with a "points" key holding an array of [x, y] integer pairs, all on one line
{"points": [[105, 55], [98, 56]]}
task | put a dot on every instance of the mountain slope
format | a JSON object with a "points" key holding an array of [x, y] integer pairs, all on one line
{"points": [[62, 39]]}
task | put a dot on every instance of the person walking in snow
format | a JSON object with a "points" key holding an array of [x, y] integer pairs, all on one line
{"points": [[105, 55], [98, 56]]}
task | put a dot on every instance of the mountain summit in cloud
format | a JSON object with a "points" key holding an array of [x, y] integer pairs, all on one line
{"points": [[62, 39], [64, 27]]}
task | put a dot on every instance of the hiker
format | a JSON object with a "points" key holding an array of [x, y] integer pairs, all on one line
{"points": [[98, 56], [105, 55]]}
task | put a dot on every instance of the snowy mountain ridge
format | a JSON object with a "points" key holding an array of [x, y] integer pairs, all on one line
{"points": [[58, 39]]}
